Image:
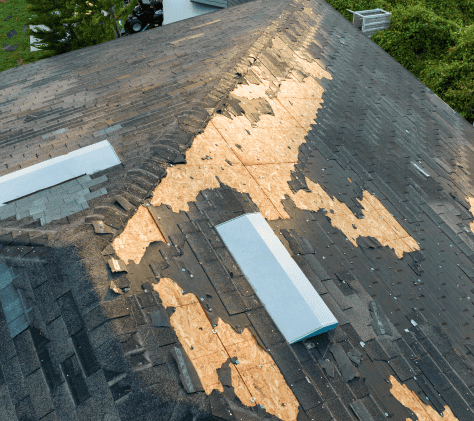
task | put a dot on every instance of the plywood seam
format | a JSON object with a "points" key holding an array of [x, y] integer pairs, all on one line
{"points": [[245, 166], [266, 153], [256, 379], [228, 355], [294, 118]]}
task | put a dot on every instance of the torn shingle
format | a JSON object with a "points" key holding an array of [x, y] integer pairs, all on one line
{"points": [[348, 371], [188, 375]]}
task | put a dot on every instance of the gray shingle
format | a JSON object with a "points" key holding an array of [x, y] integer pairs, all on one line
{"points": [[7, 409], [363, 138], [39, 393], [93, 195], [6, 276], [7, 211]]}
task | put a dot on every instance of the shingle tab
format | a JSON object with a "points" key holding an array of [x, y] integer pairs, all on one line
{"points": [[75, 380], [70, 313]]}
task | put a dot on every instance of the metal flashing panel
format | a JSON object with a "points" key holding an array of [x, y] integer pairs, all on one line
{"points": [[87, 160], [290, 299]]}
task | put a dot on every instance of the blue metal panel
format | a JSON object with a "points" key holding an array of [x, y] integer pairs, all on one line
{"points": [[290, 299]]}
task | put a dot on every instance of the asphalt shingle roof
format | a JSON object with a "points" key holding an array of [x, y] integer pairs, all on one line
{"points": [[379, 137]]}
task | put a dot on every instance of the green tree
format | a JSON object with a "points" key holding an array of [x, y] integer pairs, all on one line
{"points": [[51, 13], [416, 34], [452, 77], [75, 24], [465, 9], [97, 20], [437, 50]]}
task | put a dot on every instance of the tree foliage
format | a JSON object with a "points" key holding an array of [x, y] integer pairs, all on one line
{"points": [[416, 35], [75, 24], [51, 14]]}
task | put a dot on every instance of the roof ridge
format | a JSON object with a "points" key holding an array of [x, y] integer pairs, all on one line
{"points": [[186, 126]]}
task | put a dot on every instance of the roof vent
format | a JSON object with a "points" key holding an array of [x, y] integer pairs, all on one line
{"points": [[288, 296], [371, 21], [87, 160]]}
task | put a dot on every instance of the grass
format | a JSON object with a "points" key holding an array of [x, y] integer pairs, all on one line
{"points": [[18, 9], [20, 15]]}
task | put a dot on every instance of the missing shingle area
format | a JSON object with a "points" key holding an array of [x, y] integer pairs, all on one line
{"points": [[411, 400], [253, 145], [254, 375]]}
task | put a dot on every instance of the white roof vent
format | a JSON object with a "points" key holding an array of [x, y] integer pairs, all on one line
{"points": [[86, 160], [282, 287]]}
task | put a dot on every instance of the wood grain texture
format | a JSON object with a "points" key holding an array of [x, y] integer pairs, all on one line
{"points": [[140, 231], [410, 399], [256, 378]]}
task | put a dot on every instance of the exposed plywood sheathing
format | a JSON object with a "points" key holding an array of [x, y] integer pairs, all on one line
{"points": [[255, 376], [256, 155], [424, 412], [377, 221], [471, 202], [140, 231]]}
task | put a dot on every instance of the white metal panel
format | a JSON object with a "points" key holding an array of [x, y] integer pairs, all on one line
{"points": [[87, 160], [290, 299]]}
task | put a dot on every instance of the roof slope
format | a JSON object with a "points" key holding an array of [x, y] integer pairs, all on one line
{"points": [[362, 172], [147, 80]]}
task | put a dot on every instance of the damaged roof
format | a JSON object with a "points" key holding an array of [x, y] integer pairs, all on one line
{"points": [[119, 299]]}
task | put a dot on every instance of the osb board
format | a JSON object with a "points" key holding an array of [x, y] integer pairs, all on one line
{"points": [[471, 203], [424, 412], [172, 295], [307, 66], [206, 367], [255, 376], [183, 183], [251, 91], [303, 110], [248, 354], [253, 146], [281, 119], [140, 231], [258, 158], [266, 384], [210, 148], [377, 221], [204, 344]]}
